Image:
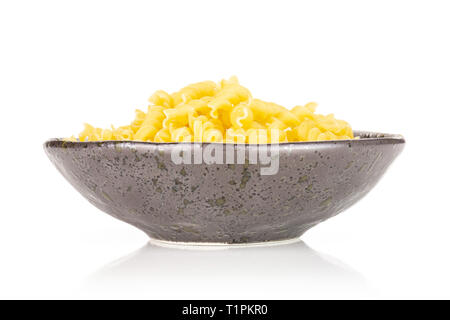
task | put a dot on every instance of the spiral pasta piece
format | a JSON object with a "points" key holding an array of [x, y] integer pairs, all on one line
{"points": [[257, 136], [241, 116], [236, 135], [212, 135], [151, 124], [163, 135], [183, 134], [161, 98], [194, 91], [138, 120]]}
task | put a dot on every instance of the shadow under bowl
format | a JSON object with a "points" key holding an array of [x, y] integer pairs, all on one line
{"points": [[238, 202]]}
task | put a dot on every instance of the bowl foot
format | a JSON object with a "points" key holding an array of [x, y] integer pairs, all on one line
{"points": [[218, 245]]}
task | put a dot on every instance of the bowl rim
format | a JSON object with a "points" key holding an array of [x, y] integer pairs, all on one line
{"points": [[368, 136]]}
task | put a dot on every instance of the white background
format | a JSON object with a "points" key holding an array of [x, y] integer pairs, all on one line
{"points": [[382, 65]]}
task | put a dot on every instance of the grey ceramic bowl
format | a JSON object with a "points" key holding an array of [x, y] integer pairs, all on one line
{"points": [[139, 183]]}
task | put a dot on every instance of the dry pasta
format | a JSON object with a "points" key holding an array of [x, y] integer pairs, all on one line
{"points": [[221, 112]]}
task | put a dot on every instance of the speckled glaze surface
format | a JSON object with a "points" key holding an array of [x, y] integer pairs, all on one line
{"points": [[137, 182]]}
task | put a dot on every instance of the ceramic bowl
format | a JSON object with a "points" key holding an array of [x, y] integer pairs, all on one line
{"points": [[146, 185]]}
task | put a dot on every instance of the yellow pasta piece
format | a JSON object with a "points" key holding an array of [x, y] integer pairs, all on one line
{"points": [[161, 98], [257, 125], [151, 124], [313, 134], [229, 96], [326, 136], [302, 112], [106, 134], [178, 116], [219, 104], [201, 106], [288, 118], [88, 134], [236, 135], [138, 120], [276, 123], [224, 118], [241, 116], [71, 138], [163, 135], [209, 125], [212, 135], [122, 133], [194, 91], [277, 136], [197, 129], [181, 135], [257, 136], [262, 110], [301, 132]]}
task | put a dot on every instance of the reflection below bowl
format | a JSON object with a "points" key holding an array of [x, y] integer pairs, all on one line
{"points": [[285, 272]]}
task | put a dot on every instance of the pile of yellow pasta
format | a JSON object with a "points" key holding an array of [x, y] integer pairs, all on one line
{"points": [[221, 112]]}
